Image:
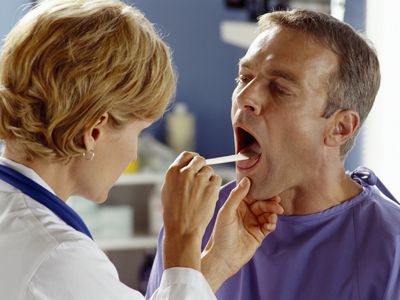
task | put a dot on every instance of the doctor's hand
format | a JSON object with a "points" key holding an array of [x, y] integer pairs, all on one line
{"points": [[189, 195], [239, 230]]}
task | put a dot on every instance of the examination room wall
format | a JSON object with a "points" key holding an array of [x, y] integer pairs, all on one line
{"points": [[206, 65], [10, 12]]}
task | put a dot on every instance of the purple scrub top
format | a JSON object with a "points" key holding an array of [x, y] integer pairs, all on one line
{"points": [[349, 251]]}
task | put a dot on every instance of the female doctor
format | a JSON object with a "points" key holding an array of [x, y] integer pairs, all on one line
{"points": [[79, 81]]}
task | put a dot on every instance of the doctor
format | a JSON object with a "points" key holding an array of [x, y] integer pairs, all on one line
{"points": [[79, 81]]}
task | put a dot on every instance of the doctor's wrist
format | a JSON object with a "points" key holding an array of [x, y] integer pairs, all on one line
{"points": [[214, 269], [182, 251]]}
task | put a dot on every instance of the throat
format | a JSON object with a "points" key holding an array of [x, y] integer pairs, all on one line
{"points": [[311, 200], [251, 150]]}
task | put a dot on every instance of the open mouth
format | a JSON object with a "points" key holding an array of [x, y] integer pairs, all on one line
{"points": [[248, 145]]}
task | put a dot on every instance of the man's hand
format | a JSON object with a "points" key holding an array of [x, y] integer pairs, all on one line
{"points": [[239, 230], [189, 195]]}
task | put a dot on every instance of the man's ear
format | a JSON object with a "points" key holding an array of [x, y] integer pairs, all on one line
{"points": [[342, 125], [92, 134]]}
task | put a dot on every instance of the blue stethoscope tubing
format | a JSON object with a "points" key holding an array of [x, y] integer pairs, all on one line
{"points": [[45, 197]]}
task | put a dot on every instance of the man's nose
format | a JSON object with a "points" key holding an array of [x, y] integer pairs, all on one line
{"points": [[249, 98]]}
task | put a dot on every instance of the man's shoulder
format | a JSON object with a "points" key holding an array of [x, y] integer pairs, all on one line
{"points": [[381, 203], [382, 213]]}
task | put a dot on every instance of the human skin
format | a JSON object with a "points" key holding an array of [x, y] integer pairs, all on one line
{"points": [[114, 149], [189, 195], [280, 99], [239, 229]]}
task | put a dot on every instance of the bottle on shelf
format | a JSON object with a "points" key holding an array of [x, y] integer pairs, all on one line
{"points": [[133, 167], [180, 128]]}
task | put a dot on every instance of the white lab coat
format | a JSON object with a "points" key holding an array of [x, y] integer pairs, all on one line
{"points": [[41, 257]]}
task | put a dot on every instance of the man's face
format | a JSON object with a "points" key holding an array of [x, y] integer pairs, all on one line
{"points": [[277, 108]]}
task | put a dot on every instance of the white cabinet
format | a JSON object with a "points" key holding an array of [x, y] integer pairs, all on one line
{"points": [[140, 192], [135, 190], [121, 226]]}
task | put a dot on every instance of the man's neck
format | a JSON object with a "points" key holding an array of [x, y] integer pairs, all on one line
{"points": [[326, 190]]}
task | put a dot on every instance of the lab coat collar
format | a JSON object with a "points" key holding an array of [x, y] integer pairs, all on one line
{"points": [[24, 170]]}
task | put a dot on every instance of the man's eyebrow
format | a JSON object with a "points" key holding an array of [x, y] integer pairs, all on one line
{"points": [[244, 63], [285, 75]]}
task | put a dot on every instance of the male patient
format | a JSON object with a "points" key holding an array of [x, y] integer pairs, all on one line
{"points": [[305, 86]]}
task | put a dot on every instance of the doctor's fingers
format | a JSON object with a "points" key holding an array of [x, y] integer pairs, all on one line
{"points": [[214, 185], [194, 166], [183, 159], [186, 165], [229, 210], [266, 206], [205, 173], [206, 185], [268, 226], [268, 218]]}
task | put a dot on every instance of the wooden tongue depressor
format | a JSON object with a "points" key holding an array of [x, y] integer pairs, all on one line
{"points": [[226, 159]]}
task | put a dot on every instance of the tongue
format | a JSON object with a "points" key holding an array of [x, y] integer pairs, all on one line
{"points": [[253, 151]]}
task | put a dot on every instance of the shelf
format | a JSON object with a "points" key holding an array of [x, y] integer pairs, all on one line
{"points": [[143, 178], [140, 178], [242, 33], [238, 33], [133, 243]]}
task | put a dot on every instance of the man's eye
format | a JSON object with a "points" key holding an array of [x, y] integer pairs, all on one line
{"points": [[279, 91], [241, 79]]}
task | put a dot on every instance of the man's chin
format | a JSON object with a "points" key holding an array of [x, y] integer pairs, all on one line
{"points": [[257, 189], [258, 192]]}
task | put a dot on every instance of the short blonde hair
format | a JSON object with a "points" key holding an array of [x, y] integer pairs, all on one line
{"points": [[67, 62]]}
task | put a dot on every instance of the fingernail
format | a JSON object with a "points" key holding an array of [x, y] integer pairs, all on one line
{"points": [[244, 182]]}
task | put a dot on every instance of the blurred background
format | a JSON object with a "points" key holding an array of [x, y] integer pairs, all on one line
{"points": [[207, 39]]}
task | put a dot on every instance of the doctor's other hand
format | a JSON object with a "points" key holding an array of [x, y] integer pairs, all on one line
{"points": [[189, 195], [240, 228]]}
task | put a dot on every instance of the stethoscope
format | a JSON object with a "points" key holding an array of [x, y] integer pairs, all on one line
{"points": [[45, 197]]}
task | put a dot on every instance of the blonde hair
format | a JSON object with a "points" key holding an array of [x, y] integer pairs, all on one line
{"points": [[67, 62], [356, 81]]}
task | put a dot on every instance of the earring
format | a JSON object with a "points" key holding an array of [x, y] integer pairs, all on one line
{"points": [[89, 155]]}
